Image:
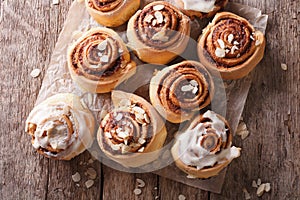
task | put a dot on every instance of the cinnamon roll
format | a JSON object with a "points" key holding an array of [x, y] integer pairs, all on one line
{"points": [[99, 61], [200, 8], [112, 13], [204, 149], [158, 33], [61, 127], [178, 91], [133, 132], [231, 45]]}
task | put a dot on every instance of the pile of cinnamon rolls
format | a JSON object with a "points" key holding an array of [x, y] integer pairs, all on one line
{"points": [[133, 131]]}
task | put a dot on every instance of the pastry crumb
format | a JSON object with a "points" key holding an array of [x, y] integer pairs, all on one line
{"points": [[258, 182], [260, 190], [284, 67], [254, 184], [76, 177], [242, 130], [35, 73], [91, 173], [246, 194], [140, 182], [137, 191], [89, 184], [181, 197], [267, 187]]}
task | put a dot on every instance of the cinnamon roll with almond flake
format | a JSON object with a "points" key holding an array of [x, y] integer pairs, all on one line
{"points": [[178, 91], [133, 132], [61, 127], [231, 45], [112, 13], [158, 33], [201, 8], [99, 61], [204, 149]]}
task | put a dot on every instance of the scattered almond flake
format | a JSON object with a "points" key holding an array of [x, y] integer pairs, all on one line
{"points": [[194, 83], [77, 185], [123, 134], [91, 172], [160, 36], [251, 37], [258, 182], [154, 22], [76, 177], [137, 191], [244, 134], [236, 43], [55, 2], [147, 119], [254, 184], [181, 197], [156, 197], [119, 117], [155, 188], [104, 59], [227, 50], [108, 135], [187, 88], [221, 43], [102, 46], [120, 50], [138, 110], [100, 54], [233, 49], [89, 184], [230, 38], [284, 66], [195, 90], [148, 18], [76, 35], [260, 190], [158, 7], [159, 17], [35, 73], [81, 163], [267, 187], [239, 55], [191, 176], [140, 182], [125, 141], [95, 66], [90, 161], [141, 141], [221, 53], [141, 150], [241, 127], [246, 193], [115, 147], [257, 42]]}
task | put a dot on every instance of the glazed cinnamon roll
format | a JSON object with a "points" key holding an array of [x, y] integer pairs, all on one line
{"points": [[61, 127], [158, 33], [231, 45], [112, 13], [200, 8], [204, 149], [133, 132], [99, 61], [178, 91]]}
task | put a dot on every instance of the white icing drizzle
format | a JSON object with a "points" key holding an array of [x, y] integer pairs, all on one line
{"points": [[204, 6], [193, 154]]}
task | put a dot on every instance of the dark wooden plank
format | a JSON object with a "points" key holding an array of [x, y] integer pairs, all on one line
{"points": [[272, 113]]}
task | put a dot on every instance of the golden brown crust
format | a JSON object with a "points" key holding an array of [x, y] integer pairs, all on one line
{"points": [[112, 13], [99, 61], [61, 127], [234, 37], [219, 5], [158, 33], [133, 132], [181, 89]]}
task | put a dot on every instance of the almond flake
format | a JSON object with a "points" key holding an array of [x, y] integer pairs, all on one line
{"points": [[76, 177], [221, 43], [91, 172], [123, 134], [137, 191], [267, 187], [35, 73], [141, 141], [254, 184], [230, 38], [159, 17], [148, 18], [140, 182], [194, 83], [233, 49], [187, 88], [258, 182], [104, 59], [119, 117], [260, 190], [236, 43], [195, 90], [120, 50], [158, 7], [257, 42], [95, 66], [89, 184], [147, 119], [125, 149], [115, 147], [227, 50], [141, 150], [191, 176], [102, 46], [221, 53], [138, 110], [154, 22], [181, 197], [239, 55], [251, 37], [284, 66]]}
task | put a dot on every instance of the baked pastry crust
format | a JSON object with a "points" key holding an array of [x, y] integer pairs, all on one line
{"points": [[231, 45], [133, 133], [158, 33], [112, 13], [61, 127], [208, 139], [99, 61], [219, 5], [180, 90]]}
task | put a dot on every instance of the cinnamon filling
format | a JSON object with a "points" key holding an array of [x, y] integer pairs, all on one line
{"points": [[104, 5]]}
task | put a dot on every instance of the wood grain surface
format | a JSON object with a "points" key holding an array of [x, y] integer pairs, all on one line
{"points": [[28, 33]]}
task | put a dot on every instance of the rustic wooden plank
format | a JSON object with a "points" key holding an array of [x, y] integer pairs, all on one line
{"points": [[272, 113]]}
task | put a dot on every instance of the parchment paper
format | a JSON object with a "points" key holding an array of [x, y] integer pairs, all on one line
{"points": [[58, 80]]}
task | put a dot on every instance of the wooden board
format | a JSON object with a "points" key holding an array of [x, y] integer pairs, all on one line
{"points": [[28, 33]]}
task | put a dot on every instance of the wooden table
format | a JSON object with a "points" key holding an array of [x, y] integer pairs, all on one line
{"points": [[29, 30]]}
